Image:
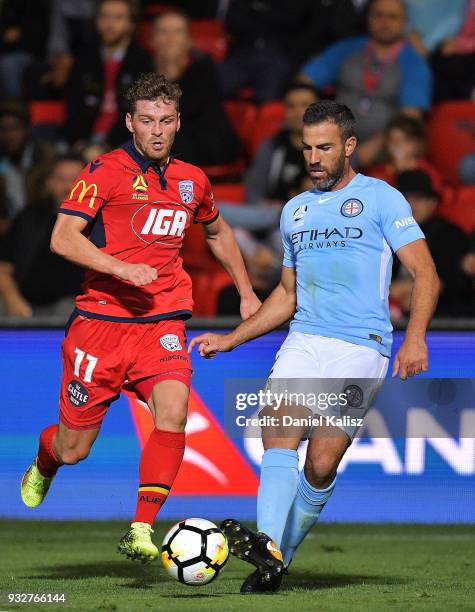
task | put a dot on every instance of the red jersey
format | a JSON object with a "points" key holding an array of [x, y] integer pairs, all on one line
{"points": [[139, 214]]}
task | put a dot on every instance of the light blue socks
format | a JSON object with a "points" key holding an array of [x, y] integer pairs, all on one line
{"points": [[308, 504], [277, 489]]}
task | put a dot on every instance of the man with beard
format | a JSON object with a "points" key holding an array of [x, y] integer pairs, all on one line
{"points": [[338, 240]]}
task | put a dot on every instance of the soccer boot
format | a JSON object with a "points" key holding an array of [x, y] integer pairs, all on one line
{"points": [[34, 486], [255, 583], [137, 543], [256, 548]]}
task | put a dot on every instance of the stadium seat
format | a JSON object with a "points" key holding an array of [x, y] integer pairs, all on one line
{"points": [[144, 28], [207, 276], [208, 36], [153, 9], [225, 173], [144, 34], [460, 209], [232, 193], [47, 119], [47, 112], [270, 117], [451, 135], [243, 117]]}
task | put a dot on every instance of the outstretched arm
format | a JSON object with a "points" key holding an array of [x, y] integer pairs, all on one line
{"points": [[220, 238], [276, 310], [412, 358]]}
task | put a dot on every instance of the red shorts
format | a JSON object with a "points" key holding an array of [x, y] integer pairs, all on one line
{"points": [[100, 358]]}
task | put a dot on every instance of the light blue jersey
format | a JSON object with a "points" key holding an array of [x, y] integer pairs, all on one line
{"points": [[341, 244]]}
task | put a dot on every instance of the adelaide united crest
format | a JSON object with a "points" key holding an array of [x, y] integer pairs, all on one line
{"points": [[186, 189]]}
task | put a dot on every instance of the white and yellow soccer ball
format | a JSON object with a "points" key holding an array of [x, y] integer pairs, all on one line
{"points": [[194, 551]]}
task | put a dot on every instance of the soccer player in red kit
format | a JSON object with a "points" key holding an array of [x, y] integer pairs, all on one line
{"points": [[124, 222]]}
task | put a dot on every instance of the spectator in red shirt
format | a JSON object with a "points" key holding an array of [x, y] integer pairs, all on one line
{"points": [[101, 75], [405, 146]]}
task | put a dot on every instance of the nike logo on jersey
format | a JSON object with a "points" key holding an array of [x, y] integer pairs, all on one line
{"points": [[322, 200]]}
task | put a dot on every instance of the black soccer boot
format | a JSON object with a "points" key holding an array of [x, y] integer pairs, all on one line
{"points": [[255, 584], [256, 548]]}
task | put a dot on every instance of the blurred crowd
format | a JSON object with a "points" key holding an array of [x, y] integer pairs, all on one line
{"points": [[247, 69]]}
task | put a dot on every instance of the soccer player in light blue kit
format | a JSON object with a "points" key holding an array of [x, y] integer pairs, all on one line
{"points": [[338, 240]]}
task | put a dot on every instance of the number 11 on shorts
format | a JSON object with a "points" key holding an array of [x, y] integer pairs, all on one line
{"points": [[91, 364]]}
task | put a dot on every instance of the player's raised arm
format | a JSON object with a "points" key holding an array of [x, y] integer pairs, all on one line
{"points": [[276, 310], [222, 243], [69, 241], [412, 357]]}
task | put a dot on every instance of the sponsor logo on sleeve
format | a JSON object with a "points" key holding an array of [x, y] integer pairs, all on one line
{"points": [[83, 190], [405, 222]]}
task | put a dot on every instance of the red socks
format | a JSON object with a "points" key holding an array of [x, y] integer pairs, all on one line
{"points": [[161, 458], [46, 461]]}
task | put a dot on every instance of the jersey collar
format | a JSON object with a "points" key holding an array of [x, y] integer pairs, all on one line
{"points": [[144, 163]]}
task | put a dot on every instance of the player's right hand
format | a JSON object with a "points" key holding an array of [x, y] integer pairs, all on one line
{"points": [[136, 274], [210, 344]]}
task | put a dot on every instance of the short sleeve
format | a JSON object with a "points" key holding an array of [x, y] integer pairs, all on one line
{"points": [[90, 191], [289, 255], [397, 223], [207, 211]]}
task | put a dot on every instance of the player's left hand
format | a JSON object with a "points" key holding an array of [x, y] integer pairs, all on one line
{"points": [[249, 305], [411, 359]]}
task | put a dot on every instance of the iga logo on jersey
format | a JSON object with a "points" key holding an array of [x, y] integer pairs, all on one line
{"points": [[352, 208], [186, 190], [171, 342], [149, 222]]}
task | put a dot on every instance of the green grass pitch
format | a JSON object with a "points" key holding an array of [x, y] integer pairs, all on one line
{"points": [[339, 567]]}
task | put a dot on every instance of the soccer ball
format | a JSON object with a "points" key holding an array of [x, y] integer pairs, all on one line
{"points": [[194, 551]]}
